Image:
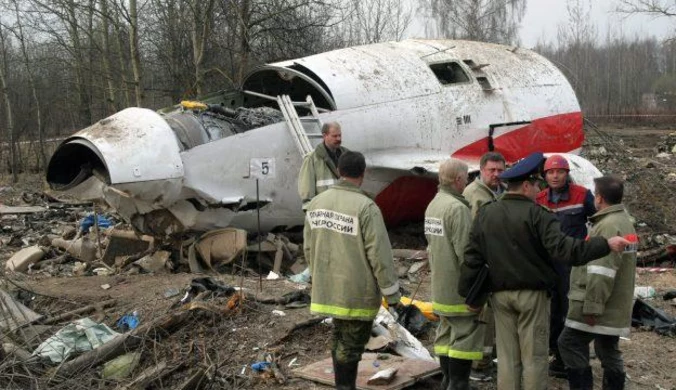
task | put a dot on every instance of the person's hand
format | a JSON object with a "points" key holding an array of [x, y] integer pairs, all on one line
{"points": [[617, 243], [589, 319], [395, 309], [475, 309], [398, 307]]}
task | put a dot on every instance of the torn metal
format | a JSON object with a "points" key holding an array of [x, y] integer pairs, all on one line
{"points": [[406, 105]]}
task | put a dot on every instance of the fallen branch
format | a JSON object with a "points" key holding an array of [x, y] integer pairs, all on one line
{"points": [[279, 375], [150, 375], [297, 326], [194, 381], [70, 314]]}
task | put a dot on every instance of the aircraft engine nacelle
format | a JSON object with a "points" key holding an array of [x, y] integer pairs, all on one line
{"points": [[134, 150]]}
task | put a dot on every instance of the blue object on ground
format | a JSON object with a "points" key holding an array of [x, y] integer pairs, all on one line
{"points": [[128, 322], [88, 222], [260, 366]]}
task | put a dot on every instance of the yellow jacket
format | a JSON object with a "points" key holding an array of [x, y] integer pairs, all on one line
{"points": [[349, 254]]}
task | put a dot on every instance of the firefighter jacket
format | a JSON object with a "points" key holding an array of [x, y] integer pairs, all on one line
{"points": [[477, 194], [519, 240], [317, 173], [349, 254], [605, 287], [447, 224], [574, 206]]}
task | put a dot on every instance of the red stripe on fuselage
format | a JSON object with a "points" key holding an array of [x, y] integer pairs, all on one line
{"points": [[557, 133], [406, 199]]}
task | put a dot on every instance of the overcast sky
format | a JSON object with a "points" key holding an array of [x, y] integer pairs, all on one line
{"points": [[543, 17]]}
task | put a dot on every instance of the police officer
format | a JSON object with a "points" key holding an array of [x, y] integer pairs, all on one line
{"points": [[350, 259], [518, 240], [572, 204], [486, 188], [601, 297], [459, 338], [320, 168]]}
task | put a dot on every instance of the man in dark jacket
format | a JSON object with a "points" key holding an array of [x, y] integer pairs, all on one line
{"points": [[518, 240], [572, 204]]}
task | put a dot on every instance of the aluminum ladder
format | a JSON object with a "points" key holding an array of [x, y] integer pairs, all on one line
{"points": [[306, 132]]}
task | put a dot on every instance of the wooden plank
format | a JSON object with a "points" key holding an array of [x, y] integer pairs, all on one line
{"points": [[409, 371], [21, 209], [13, 314]]}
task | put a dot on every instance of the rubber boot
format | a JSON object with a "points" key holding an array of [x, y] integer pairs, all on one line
{"points": [[346, 375], [444, 361], [613, 380], [459, 370], [580, 379]]}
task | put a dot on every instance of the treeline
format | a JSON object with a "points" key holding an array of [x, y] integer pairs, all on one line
{"points": [[65, 64]]}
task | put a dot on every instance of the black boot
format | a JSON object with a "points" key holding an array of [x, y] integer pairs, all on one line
{"points": [[556, 367], [444, 361], [580, 379], [459, 370], [613, 380], [346, 375]]}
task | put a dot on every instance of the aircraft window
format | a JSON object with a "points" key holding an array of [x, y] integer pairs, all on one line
{"points": [[485, 84], [449, 73]]}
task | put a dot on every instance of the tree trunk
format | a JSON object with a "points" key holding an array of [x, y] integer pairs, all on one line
{"points": [[107, 73], [135, 53], [41, 155], [8, 107], [201, 27]]}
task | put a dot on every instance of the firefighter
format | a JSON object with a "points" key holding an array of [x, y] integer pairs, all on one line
{"points": [[601, 297], [350, 260], [320, 168], [459, 338]]}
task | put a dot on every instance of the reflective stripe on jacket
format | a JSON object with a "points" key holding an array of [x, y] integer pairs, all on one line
{"points": [[447, 225], [605, 287], [317, 173], [349, 254]]}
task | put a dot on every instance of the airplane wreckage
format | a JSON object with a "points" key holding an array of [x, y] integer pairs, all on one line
{"points": [[406, 105]]}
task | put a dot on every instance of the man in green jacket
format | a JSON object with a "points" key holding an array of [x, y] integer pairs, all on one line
{"points": [[350, 259], [518, 240], [601, 296], [320, 168], [486, 188], [459, 338]]}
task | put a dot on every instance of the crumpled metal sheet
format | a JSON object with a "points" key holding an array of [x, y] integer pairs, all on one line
{"points": [[79, 336]]}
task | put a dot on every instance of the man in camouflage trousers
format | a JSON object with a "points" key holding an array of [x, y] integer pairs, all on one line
{"points": [[350, 259]]}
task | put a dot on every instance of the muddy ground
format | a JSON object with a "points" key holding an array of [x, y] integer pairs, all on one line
{"points": [[223, 344]]}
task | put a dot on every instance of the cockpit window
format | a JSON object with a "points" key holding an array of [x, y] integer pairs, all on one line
{"points": [[449, 73]]}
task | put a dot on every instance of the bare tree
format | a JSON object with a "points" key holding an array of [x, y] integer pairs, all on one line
{"points": [[9, 114], [481, 20], [651, 7], [202, 19], [372, 21]]}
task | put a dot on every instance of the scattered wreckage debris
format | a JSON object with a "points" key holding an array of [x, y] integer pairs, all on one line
{"points": [[407, 371], [645, 315]]}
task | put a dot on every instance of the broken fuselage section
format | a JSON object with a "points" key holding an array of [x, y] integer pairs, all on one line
{"points": [[406, 105]]}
